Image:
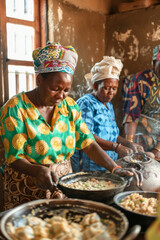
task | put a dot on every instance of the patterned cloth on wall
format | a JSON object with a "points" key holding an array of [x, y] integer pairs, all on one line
{"points": [[135, 93], [149, 121]]}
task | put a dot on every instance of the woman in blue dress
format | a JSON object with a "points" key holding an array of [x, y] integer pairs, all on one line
{"points": [[97, 111]]}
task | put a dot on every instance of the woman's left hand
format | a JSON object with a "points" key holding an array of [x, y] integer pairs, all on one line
{"points": [[124, 151], [135, 147], [156, 154], [130, 172]]}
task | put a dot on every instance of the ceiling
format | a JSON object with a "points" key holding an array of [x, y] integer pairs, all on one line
{"points": [[112, 6], [128, 5]]}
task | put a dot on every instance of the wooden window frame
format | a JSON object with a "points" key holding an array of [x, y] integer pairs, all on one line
{"points": [[41, 34]]}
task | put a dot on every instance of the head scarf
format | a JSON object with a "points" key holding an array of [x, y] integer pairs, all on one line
{"points": [[55, 58], [109, 67], [156, 53]]}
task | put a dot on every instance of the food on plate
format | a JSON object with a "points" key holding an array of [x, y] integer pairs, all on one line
{"points": [[135, 158], [91, 184], [130, 159], [137, 203], [90, 227]]}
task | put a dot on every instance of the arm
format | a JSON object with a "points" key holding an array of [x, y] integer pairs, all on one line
{"points": [[130, 145], [104, 144], [108, 145], [130, 130], [96, 153], [100, 157]]}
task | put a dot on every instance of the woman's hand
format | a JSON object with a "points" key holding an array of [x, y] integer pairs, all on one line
{"points": [[130, 172], [135, 147], [46, 178], [150, 155], [156, 154], [124, 151]]}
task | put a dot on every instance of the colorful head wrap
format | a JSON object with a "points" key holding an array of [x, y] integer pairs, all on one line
{"points": [[55, 58], [109, 67], [156, 53]]}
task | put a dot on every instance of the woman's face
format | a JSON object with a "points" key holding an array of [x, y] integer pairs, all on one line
{"points": [[106, 89], [54, 87]]}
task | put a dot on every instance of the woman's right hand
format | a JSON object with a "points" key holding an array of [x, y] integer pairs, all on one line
{"points": [[130, 172], [124, 151], [150, 155], [46, 178]]}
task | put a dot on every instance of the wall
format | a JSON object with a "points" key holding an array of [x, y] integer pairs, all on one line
{"points": [[131, 37], [102, 6], [82, 28]]}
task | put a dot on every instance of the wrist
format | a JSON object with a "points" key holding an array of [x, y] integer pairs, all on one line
{"points": [[129, 137], [116, 167], [114, 146], [118, 147]]}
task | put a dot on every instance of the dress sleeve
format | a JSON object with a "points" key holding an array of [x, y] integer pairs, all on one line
{"points": [[87, 112], [83, 135], [13, 134], [135, 92], [87, 117]]}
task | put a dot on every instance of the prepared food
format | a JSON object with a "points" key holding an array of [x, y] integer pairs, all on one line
{"points": [[90, 227], [137, 203], [91, 184]]}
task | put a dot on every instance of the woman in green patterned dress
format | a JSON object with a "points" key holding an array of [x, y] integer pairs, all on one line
{"points": [[42, 128]]}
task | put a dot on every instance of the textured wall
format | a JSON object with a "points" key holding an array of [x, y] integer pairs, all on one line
{"points": [[131, 37], [101, 6], [83, 29]]}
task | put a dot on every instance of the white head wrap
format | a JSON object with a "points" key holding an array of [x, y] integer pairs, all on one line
{"points": [[109, 67]]}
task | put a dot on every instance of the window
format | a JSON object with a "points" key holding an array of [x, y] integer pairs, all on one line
{"points": [[22, 29], [20, 9]]}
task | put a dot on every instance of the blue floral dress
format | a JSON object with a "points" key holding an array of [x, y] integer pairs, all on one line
{"points": [[101, 122]]}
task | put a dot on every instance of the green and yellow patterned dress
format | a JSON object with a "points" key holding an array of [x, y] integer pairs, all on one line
{"points": [[25, 134]]}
